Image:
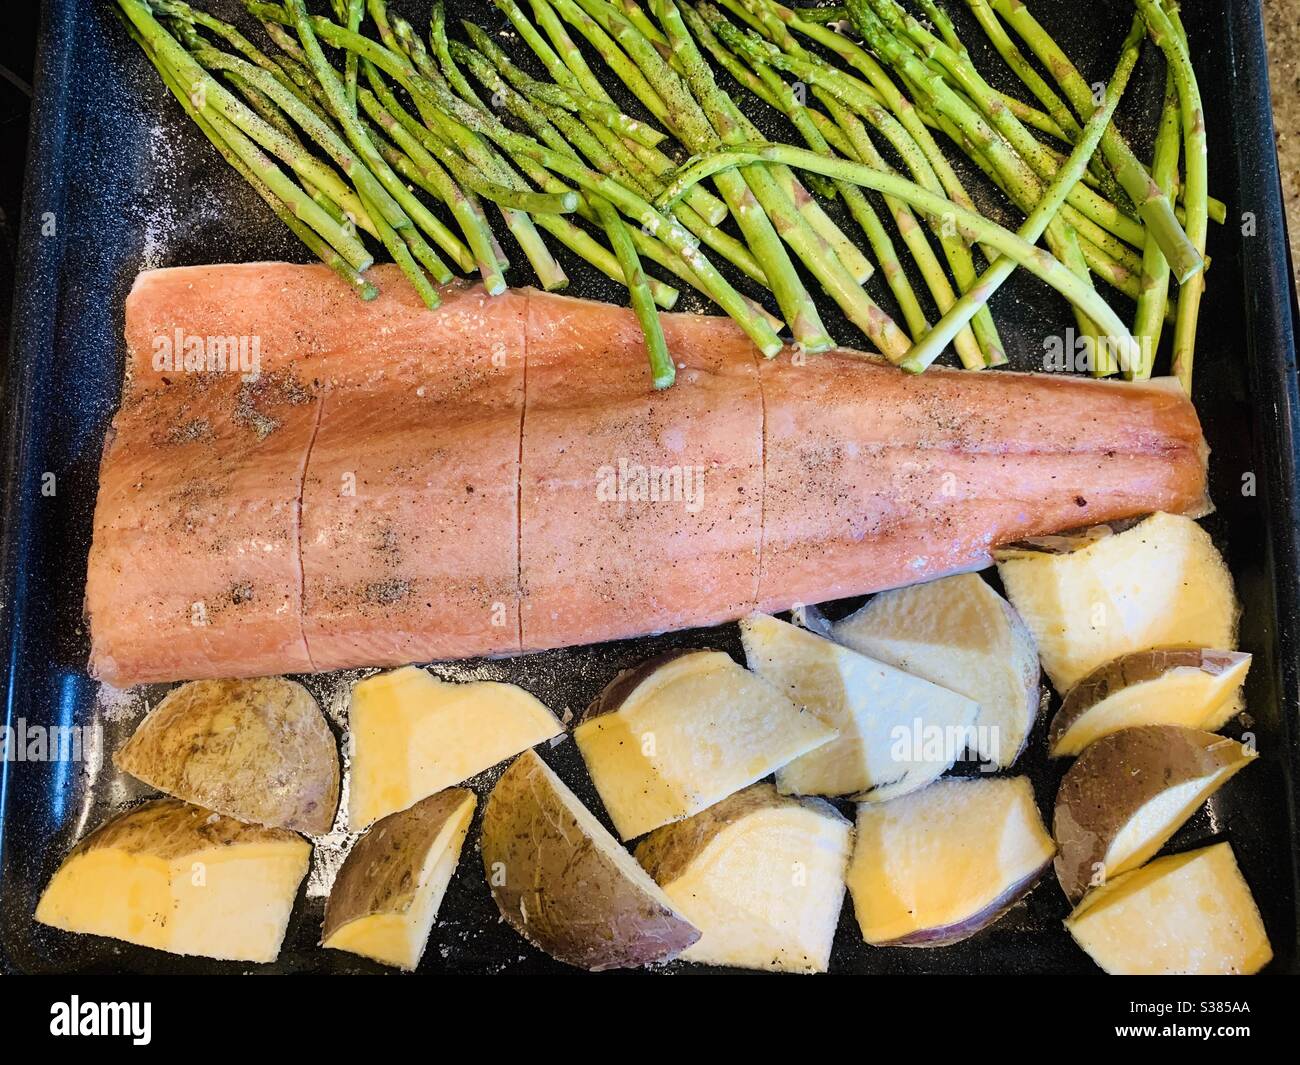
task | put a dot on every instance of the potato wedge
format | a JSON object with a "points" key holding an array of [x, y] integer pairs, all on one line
{"points": [[682, 731], [939, 865], [1129, 792], [1094, 596], [181, 879], [386, 896], [1195, 687], [957, 632], [1186, 914], [761, 875], [255, 750], [897, 732], [414, 735], [565, 884]]}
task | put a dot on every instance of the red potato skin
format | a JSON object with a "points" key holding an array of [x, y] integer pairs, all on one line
{"points": [[838, 475]]}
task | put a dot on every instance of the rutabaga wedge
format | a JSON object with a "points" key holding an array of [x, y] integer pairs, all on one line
{"points": [[565, 884], [1187, 914], [414, 735], [387, 894], [255, 750], [683, 731], [181, 879], [1091, 597], [939, 865], [897, 732], [1195, 687], [761, 875], [957, 632], [1129, 792]]}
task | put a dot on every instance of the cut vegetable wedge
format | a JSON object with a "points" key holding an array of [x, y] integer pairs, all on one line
{"points": [[1187, 914], [939, 865], [255, 750], [387, 894], [565, 884], [181, 879], [1129, 792], [760, 874], [957, 632], [1105, 592], [897, 732], [414, 735], [683, 731], [1195, 687]]}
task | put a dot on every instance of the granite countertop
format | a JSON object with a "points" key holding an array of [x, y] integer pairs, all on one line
{"points": [[1282, 29]]}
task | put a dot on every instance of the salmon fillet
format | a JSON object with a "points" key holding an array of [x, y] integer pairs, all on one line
{"points": [[396, 485]]}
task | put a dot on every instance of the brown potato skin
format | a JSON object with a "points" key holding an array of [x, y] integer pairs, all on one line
{"points": [[170, 829], [382, 871], [667, 852], [1116, 775], [580, 907], [255, 750], [1136, 668]]}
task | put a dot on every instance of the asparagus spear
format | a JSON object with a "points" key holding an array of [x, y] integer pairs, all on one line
{"points": [[1018, 180], [928, 349], [1167, 31], [912, 233], [266, 109], [1152, 205], [1038, 262], [661, 366], [433, 98], [1037, 84], [823, 15], [555, 127], [638, 170], [324, 135], [890, 112], [742, 192], [521, 225], [629, 203], [180, 12], [844, 250], [575, 239], [837, 89], [465, 207], [254, 176], [227, 114], [392, 184], [771, 88], [955, 61], [603, 260], [548, 12], [1152, 301], [662, 370], [353, 12], [769, 200]]}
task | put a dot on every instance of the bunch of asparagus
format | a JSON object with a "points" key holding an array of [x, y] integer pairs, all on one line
{"points": [[357, 126]]}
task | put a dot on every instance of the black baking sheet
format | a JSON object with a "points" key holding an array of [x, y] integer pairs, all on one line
{"points": [[119, 181]]}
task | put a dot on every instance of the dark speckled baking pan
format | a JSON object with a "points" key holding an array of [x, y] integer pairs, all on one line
{"points": [[118, 180]]}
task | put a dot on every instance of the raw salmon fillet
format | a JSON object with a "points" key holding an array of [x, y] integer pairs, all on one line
{"points": [[397, 485]]}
